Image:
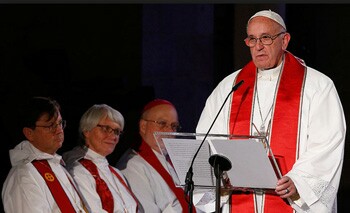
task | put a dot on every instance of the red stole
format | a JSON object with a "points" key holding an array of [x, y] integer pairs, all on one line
{"points": [[101, 186], [54, 185], [146, 153], [124, 184], [284, 136]]}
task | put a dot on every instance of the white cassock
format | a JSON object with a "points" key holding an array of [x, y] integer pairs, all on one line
{"points": [[123, 200], [317, 171], [147, 184], [25, 190]]}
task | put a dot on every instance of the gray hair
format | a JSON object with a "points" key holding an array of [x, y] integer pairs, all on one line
{"points": [[97, 112]]}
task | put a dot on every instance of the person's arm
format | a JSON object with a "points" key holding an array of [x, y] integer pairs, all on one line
{"points": [[24, 193], [316, 174], [149, 187]]}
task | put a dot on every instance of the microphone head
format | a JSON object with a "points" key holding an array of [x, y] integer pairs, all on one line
{"points": [[220, 163], [220, 160], [237, 85]]}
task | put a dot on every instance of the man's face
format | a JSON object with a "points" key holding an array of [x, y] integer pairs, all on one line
{"points": [[267, 56], [44, 138], [147, 126], [102, 139]]}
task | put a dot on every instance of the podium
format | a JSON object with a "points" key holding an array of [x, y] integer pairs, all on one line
{"points": [[253, 165]]}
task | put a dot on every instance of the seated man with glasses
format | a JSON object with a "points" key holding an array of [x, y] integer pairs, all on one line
{"points": [[146, 169], [38, 182], [102, 186]]}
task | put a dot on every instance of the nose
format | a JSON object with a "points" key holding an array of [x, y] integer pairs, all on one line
{"points": [[114, 136], [259, 44], [58, 129]]}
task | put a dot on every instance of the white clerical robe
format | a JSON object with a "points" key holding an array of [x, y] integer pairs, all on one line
{"points": [[147, 184], [317, 171], [25, 190], [123, 200]]}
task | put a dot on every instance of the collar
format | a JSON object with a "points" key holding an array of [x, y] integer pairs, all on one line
{"points": [[39, 155], [95, 157], [270, 74]]}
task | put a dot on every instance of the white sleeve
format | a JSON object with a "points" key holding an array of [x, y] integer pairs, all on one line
{"points": [[317, 171], [149, 187], [22, 193]]}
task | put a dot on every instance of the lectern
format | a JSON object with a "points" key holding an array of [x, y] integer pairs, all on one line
{"points": [[252, 163]]}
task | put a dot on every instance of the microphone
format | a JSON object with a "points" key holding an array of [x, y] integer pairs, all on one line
{"points": [[189, 185]]}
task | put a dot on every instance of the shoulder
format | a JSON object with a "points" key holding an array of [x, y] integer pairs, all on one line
{"points": [[227, 82], [76, 169], [22, 175], [133, 161], [317, 81], [223, 87], [129, 157], [72, 156], [134, 166], [317, 76]]}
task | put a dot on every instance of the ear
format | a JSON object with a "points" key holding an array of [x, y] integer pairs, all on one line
{"points": [[86, 134], [286, 39], [142, 127], [28, 133]]}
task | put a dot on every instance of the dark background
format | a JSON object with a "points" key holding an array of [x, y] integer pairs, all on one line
{"points": [[127, 54]]}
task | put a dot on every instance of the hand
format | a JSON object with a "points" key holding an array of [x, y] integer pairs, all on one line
{"points": [[285, 188]]}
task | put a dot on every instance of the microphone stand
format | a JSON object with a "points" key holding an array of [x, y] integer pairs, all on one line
{"points": [[189, 184], [220, 164]]}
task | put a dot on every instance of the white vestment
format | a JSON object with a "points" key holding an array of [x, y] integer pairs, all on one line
{"points": [[151, 189], [147, 184], [25, 190], [317, 171], [123, 200]]}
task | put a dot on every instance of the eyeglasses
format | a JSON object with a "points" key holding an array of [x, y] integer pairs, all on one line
{"points": [[53, 127], [265, 39], [163, 124], [110, 130]]}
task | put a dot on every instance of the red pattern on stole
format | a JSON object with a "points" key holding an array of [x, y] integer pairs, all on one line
{"points": [[146, 153], [285, 124], [102, 189]]}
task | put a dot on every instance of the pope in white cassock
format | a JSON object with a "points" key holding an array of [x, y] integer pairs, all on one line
{"points": [[299, 111]]}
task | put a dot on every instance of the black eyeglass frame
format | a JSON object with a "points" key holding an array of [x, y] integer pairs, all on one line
{"points": [[110, 130], [54, 126]]}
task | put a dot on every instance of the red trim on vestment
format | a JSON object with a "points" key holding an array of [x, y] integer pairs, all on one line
{"points": [[124, 184], [60, 196], [285, 124], [102, 189], [147, 153]]}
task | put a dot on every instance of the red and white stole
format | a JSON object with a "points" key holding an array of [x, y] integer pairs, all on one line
{"points": [[284, 134], [58, 193], [101, 186], [125, 185], [147, 153]]}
